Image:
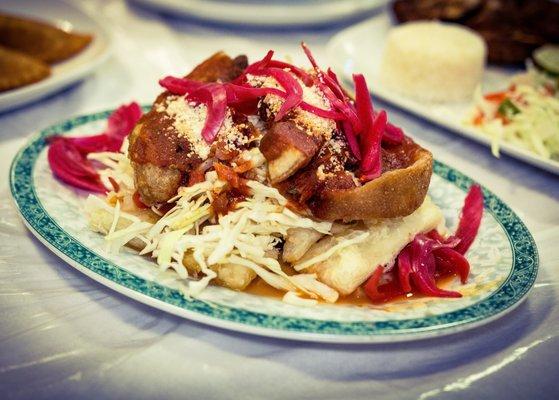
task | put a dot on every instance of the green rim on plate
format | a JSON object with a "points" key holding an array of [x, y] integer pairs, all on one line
{"points": [[509, 294]]}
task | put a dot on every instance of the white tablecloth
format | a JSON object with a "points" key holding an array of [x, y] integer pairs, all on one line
{"points": [[64, 336]]}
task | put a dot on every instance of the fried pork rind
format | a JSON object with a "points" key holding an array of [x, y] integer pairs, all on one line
{"points": [[287, 149], [40, 40], [17, 69], [395, 193]]}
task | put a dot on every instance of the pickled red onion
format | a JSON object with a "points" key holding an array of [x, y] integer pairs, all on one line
{"points": [[470, 219], [67, 155], [423, 267], [371, 287], [431, 254], [213, 95], [309, 55], [72, 167], [404, 269], [216, 103], [291, 87], [393, 134], [371, 166], [180, 86], [333, 92], [351, 139], [319, 112], [120, 124], [298, 72], [258, 65], [238, 94], [450, 260]]}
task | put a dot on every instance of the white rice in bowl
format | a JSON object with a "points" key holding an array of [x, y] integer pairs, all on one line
{"points": [[433, 61]]}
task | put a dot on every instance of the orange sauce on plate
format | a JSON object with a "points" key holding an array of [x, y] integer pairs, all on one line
{"points": [[358, 298]]}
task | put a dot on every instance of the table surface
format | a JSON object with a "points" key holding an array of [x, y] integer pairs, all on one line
{"points": [[62, 334]]}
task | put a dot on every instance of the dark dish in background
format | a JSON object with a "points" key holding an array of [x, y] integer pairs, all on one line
{"points": [[28, 48], [512, 29]]}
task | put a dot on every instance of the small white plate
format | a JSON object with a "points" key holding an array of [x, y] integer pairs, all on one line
{"points": [[267, 13], [358, 49], [63, 74]]}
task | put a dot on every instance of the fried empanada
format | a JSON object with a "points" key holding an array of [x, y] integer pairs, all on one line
{"points": [[18, 69], [40, 40]]}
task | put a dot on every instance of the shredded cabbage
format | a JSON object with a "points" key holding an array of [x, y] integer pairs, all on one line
{"points": [[245, 236], [532, 125]]}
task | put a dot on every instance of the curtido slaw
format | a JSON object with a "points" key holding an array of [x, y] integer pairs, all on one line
{"points": [[525, 115], [244, 236]]}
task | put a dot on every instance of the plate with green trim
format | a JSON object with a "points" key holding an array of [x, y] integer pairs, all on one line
{"points": [[504, 264]]}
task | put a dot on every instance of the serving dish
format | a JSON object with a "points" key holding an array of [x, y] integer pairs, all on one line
{"points": [[64, 73], [359, 48], [266, 13], [504, 264]]}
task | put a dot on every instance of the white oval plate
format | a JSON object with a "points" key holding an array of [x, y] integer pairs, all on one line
{"points": [[359, 49], [63, 74], [267, 13], [504, 264]]}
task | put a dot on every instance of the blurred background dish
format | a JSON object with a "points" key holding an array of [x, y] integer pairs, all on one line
{"points": [[433, 61], [512, 29], [361, 47], [267, 13], [72, 65]]}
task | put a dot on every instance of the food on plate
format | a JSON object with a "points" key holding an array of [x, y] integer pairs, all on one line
{"points": [[444, 10], [27, 47], [525, 115], [242, 174], [512, 29], [433, 61], [40, 40], [546, 58], [17, 69]]}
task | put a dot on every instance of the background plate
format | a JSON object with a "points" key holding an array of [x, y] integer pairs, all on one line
{"points": [[504, 264], [267, 13], [359, 49], [65, 73]]}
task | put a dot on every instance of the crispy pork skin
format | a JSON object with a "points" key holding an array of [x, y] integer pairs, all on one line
{"points": [[396, 193], [287, 148]]}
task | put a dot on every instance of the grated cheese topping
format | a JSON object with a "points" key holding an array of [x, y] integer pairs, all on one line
{"points": [[188, 120], [307, 121]]}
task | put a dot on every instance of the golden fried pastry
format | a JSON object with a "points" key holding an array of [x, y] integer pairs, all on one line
{"points": [[398, 192], [40, 40], [18, 69]]}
